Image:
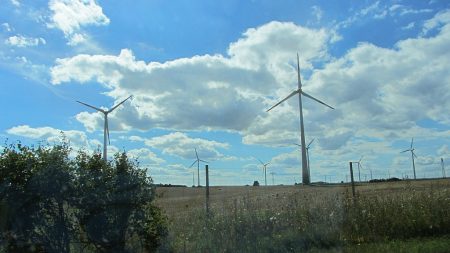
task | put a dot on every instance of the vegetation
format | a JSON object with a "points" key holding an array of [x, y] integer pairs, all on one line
{"points": [[318, 220], [50, 202]]}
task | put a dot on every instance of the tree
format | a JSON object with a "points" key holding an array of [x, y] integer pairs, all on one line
{"points": [[50, 202]]}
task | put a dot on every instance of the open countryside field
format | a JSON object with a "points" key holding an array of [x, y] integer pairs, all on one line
{"points": [[385, 216]]}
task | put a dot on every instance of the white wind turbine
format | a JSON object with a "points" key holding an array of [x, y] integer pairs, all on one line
{"points": [[198, 160], [273, 178], [106, 126], [307, 154], [264, 167], [359, 168], [300, 92], [411, 149]]}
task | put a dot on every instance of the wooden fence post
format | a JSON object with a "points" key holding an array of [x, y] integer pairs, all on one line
{"points": [[207, 190], [351, 178]]}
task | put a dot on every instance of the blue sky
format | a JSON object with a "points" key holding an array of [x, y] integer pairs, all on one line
{"points": [[203, 73]]}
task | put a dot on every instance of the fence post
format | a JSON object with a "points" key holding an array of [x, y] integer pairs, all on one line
{"points": [[207, 190], [351, 178]]}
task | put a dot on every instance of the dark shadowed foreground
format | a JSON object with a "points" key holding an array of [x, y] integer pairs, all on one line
{"points": [[50, 202], [406, 216]]}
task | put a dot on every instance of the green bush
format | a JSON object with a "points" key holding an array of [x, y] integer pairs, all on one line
{"points": [[50, 202]]}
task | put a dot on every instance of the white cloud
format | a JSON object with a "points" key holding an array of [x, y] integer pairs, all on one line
{"points": [[77, 138], [378, 92], [145, 156], [181, 145], [70, 16], [317, 12], [444, 150], [442, 18], [408, 26], [7, 27], [22, 41], [16, 3], [202, 92]]}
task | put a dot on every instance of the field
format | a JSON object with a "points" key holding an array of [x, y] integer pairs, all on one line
{"points": [[406, 216]]}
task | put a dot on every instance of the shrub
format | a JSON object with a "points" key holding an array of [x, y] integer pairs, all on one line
{"points": [[53, 203]]}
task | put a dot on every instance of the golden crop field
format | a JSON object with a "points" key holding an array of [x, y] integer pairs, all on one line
{"points": [[304, 218]]}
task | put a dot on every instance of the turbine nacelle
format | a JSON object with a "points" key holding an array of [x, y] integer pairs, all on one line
{"points": [[106, 126]]}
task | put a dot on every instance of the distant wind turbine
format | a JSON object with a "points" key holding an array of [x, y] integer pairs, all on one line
{"points": [[359, 168], [198, 160], [106, 126], [264, 167], [300, 92], [411, 149], [273, 179], [443, 168], [307, 154]]}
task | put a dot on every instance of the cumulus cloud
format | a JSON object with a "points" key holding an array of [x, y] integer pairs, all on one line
{"points": [[202, 92], [145, 156], [378, 92], [77, 138], [70, 16], [182, 145], [442, 18], [23, 41]]}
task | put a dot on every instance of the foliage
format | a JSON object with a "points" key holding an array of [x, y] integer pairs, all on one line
{"points": [[50, 202]]}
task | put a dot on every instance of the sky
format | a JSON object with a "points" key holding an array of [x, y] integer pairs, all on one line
{"points": [[203, 73]]}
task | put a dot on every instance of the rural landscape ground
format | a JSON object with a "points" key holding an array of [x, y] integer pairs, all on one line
{"points": [[403, 216]]}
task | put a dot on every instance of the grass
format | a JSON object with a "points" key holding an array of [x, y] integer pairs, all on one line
{"points": [[309, 218]]}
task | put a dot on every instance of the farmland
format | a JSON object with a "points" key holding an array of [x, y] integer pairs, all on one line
{"points": [[384, 216]]}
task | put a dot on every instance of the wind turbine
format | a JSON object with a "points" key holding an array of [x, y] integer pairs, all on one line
{"points": [[265, 170], [300, 92], [198, 166], [273, 179], [359, 168], [443, 168], [307, 155], [106, 127], [411, 149]]}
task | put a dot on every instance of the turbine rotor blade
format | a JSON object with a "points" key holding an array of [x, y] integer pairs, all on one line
{"points": [[261, 162], [412, 140], [317, 100], [297, 144], [93, 107], [286, 98], [298, 73], [202, 161], [123, 101], [192, 164], [196, 154], [310, 143], [267, 164], [405, 150]]}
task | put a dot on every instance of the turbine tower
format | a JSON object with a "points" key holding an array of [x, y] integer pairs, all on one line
{"points": [[198, 160], [106, 126], [264, 167], [443, 168], [300, 92], [307, 154], [411, 149]]}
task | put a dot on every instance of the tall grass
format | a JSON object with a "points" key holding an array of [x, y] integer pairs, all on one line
{"points": [[302, 222]]}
